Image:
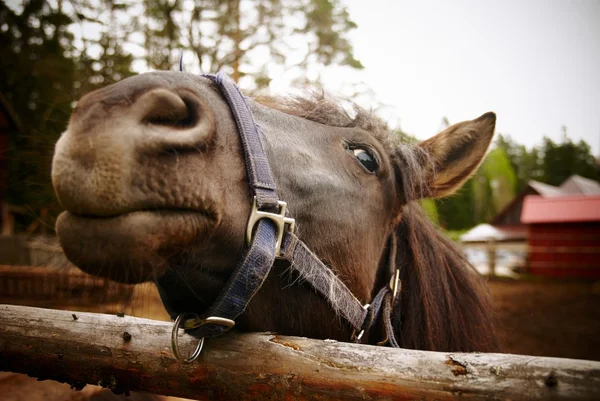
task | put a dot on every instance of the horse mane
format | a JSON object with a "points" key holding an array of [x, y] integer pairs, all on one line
{"points": [[445, 305]]}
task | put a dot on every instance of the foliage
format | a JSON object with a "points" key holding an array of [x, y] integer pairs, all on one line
{"points": [[248, 38], [525, 163], [561, 160], [406, 138], [493, 185], [37, 82], [457, 211], [101, 60], [431, 210], [551, 162], [455, 235], [42, 73]]}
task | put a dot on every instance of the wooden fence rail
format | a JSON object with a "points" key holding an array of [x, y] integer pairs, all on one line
{"points": [[58, 285], [80, 348]]}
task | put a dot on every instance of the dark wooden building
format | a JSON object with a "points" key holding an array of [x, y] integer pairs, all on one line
{"points": [[9, 125], [510, 216], [563, 235]]}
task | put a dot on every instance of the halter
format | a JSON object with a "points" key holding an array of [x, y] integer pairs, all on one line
{"points": [[270, 235]]}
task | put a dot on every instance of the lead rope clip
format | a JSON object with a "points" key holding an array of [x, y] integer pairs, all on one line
{"points": [[194, 321]]}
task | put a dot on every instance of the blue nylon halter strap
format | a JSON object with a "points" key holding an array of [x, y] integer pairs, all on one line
{"points": [[259, 257], [260, 178]]}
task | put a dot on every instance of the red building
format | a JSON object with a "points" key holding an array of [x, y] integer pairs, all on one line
{"points": [[563, 235], [557, 234]]}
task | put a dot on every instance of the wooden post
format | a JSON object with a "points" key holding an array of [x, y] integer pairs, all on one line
{"points": [[492, 257], [80, 348], [7, 220]]}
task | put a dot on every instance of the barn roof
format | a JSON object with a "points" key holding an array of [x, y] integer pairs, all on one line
{"points": [[545, 189], [577, 184], [486, 232], [564, 209], [574, 185]]}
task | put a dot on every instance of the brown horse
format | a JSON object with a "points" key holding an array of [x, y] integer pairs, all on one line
{"points": [[152, 177]]}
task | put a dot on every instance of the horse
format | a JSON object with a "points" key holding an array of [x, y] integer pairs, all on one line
{"points": [[152, 175]]}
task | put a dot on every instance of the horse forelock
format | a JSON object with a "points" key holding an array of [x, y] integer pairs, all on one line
{"points": [[413, 165], [317, 106]]}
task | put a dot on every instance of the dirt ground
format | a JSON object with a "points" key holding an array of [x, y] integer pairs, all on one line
{"points": [[541, 318], [548, 318]]}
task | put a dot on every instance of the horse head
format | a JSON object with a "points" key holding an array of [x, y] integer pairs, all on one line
{"points": [[152, 175]]}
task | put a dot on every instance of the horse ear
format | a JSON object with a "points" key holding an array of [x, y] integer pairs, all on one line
{"points": [[456, 152]]}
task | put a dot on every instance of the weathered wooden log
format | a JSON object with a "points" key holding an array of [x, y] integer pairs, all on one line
{"points": [[93, 348]]}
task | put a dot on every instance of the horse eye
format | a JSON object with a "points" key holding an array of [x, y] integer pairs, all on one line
{"points": [[366, 159]]}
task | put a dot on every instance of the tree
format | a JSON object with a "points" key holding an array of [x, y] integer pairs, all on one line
{"points": [[430, 209], [456, 212], [561, 160], [162, 34], [493, 185], [109, 62], [551, 163], [250, 38], [43, 72], [36, 81], [527, 164]]}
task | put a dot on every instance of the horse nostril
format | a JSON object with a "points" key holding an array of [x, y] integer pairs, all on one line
{"points": [[172, 120], [164, 107]]}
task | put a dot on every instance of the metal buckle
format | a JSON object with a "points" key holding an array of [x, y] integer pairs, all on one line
{"points": [[395, 285], [279, 219], [192, 323], [196, 322]]}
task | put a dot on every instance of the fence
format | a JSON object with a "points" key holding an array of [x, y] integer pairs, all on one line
{"points": [[32, 250], [491, 266], [133, 354], [58, 285], [34, 268]]}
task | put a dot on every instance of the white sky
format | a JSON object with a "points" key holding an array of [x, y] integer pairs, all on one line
{"points": [[535, 63]]}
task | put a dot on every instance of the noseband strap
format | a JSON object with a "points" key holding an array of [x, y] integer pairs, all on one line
{"points": [[259, 257]]}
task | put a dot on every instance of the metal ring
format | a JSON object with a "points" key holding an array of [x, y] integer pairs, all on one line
{"points": [[175, 343]]}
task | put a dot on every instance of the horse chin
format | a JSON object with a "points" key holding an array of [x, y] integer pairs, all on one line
{"points": [[133, 247]]}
